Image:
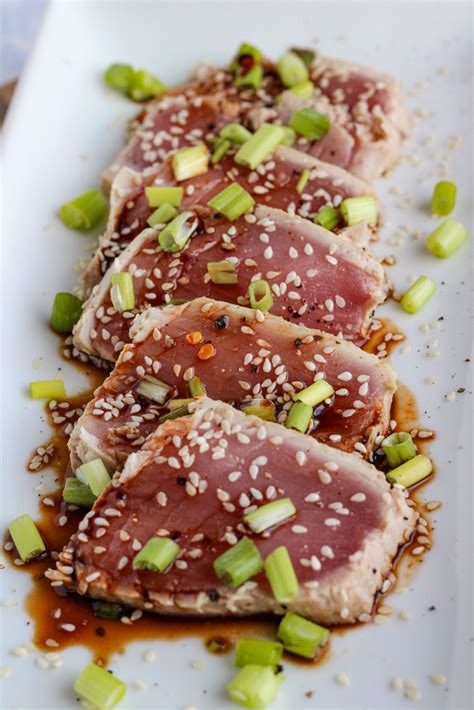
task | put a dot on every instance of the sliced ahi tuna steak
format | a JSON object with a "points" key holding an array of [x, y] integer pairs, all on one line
{"points": [[196, 478], [249, 355]]}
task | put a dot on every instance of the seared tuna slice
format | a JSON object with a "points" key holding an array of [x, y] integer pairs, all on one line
{"points": [[239, 354], [321, 280], [195, 480], [274, 185]]}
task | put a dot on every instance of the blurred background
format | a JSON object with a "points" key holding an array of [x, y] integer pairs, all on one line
{"points": [[19, 22]]}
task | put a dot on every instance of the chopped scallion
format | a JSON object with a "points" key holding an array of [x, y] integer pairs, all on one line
{"points": [[84, 212], [292, 69], [307, 55], [119, 76], [220, 149], [99, 688], [175, 404], [444, 198], [418, 294], [158, 196], [122, 293], [260, 295], [239, 563], [232, 202], [411, 472], [190, 162], [48, 389], [222, 272], [154, 389], [310, 124], [398, 448], [300, 636], [156, 555], [95, 475], [359, 209], [26, 538], [327, 217], [165, 213], [235, 133], [178, 232], [107, 610], [144, 86], [77, 493], [446, 238], [253, 77], [269, 515], [304, 89], [303, 179], [196, 388], [289, 136], [257, 652], [245, 51], [174, 414], [281, 575], [299, 417], [254, 686], [264, 409], [257, 149], [67, 310], [315, 393]]}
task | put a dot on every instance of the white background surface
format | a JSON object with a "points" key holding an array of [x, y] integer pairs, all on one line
{"points": [[62, 111]]}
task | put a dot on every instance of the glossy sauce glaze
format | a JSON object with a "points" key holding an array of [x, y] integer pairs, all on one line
{"points": [[50, 608]]}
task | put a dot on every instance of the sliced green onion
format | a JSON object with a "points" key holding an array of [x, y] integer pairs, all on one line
{"points": [[119, 76], [281, 575], [310, 124], [158, 196], [269, 515], [301, 184], [398, 448], [261, 408], [446, 238], [299, 417], [26, 538], [99, 688], [77, 493], [67, 310], [300, 636], [85, 211], [232, 202], [239, 563], [245, 50], [260, 295], [444, 198], [165, 213], [190, 162], [411, 472], [315, 393], [107, 610], [418, 294], [305, 89], [196, 388], [154, 389], [327, 217], [235, 133], [95, 475], [177, 301], [178, 232], [307, 55], [175, 414], [48, 389], [156, 555], [254, 686], [259, 652], [144, 86], [220, 150], [252, 78], [175, 404], [292, 69], [359, 209], [122, 293], [257, 149], [222, 272], [289, 136]]}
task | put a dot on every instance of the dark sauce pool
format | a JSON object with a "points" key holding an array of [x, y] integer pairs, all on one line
{"points": [[49, 608]]}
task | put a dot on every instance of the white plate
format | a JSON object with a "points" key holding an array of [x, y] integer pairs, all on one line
{"points": [[61, 112]]}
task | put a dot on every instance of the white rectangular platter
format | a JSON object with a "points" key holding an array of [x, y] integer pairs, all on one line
{"points": [[63, 128]]}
